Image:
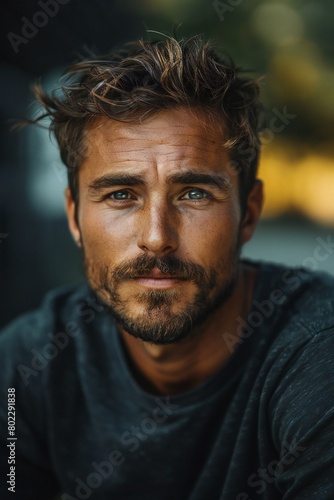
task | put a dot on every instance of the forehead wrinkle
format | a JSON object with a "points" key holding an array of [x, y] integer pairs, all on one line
{"points": [[134, 132], [119, 143], [187, 154], [151, 147]]}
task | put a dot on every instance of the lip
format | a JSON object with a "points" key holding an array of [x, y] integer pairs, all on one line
{"points": [[158, 282], [157, 279]]}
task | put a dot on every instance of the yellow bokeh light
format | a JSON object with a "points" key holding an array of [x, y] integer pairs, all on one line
{"points": [[302, 183]]}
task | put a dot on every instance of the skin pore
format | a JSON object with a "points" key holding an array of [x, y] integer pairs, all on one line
{"points": [[160, 225]]}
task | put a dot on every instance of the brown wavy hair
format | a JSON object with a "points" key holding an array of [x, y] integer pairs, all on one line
{"points": [[142, 78]]}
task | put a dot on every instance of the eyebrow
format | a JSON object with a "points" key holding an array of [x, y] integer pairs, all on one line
{"points": [[188, 177], [110, 180]]}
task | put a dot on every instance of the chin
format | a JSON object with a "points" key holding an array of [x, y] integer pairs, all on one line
{"points": [[159, 323]]}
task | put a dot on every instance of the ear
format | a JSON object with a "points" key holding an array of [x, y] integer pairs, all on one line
{"points": [[253, 211], [70, 208]]}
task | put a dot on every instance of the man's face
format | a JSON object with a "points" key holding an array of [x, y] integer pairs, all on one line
{"points": [[159, 222]]}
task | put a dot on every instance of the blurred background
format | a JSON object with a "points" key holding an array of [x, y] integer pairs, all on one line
{"points": [[291, 42]]}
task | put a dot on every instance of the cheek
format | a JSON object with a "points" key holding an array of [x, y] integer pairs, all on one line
{"points": [[104, 238], [212, 237]]}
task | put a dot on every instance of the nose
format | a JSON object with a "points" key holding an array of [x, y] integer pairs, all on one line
{"points": [[158, 232]]}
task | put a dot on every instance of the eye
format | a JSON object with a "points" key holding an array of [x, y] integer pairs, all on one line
{"points": [[120, 195], [195, 194]]}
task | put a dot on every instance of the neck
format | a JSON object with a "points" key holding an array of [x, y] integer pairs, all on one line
{"points": [[176, 368]]}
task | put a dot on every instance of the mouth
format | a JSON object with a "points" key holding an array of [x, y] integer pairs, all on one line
{"points": [[157, 279]]}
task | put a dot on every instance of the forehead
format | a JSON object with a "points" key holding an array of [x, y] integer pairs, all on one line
{"points": [[186, 129], [190, 136]]}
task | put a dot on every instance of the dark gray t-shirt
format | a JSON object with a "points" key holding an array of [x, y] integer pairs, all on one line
{"points": [[260, 428]]}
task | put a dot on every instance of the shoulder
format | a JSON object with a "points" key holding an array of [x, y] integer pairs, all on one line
{"points": [[304, 299], [36, 337], [299, 368], [296, 335], [57, 307]]}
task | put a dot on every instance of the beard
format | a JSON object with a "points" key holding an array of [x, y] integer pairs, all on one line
{"points": [[158, 323]]}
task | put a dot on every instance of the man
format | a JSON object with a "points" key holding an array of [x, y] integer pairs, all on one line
{"points": [[181, 371]]}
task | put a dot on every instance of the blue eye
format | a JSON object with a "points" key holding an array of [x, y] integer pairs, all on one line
{"points": [[120, 195], [195, 194]]}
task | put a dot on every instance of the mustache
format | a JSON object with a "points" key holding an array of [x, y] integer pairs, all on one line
{"points": [[167, 264]]}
